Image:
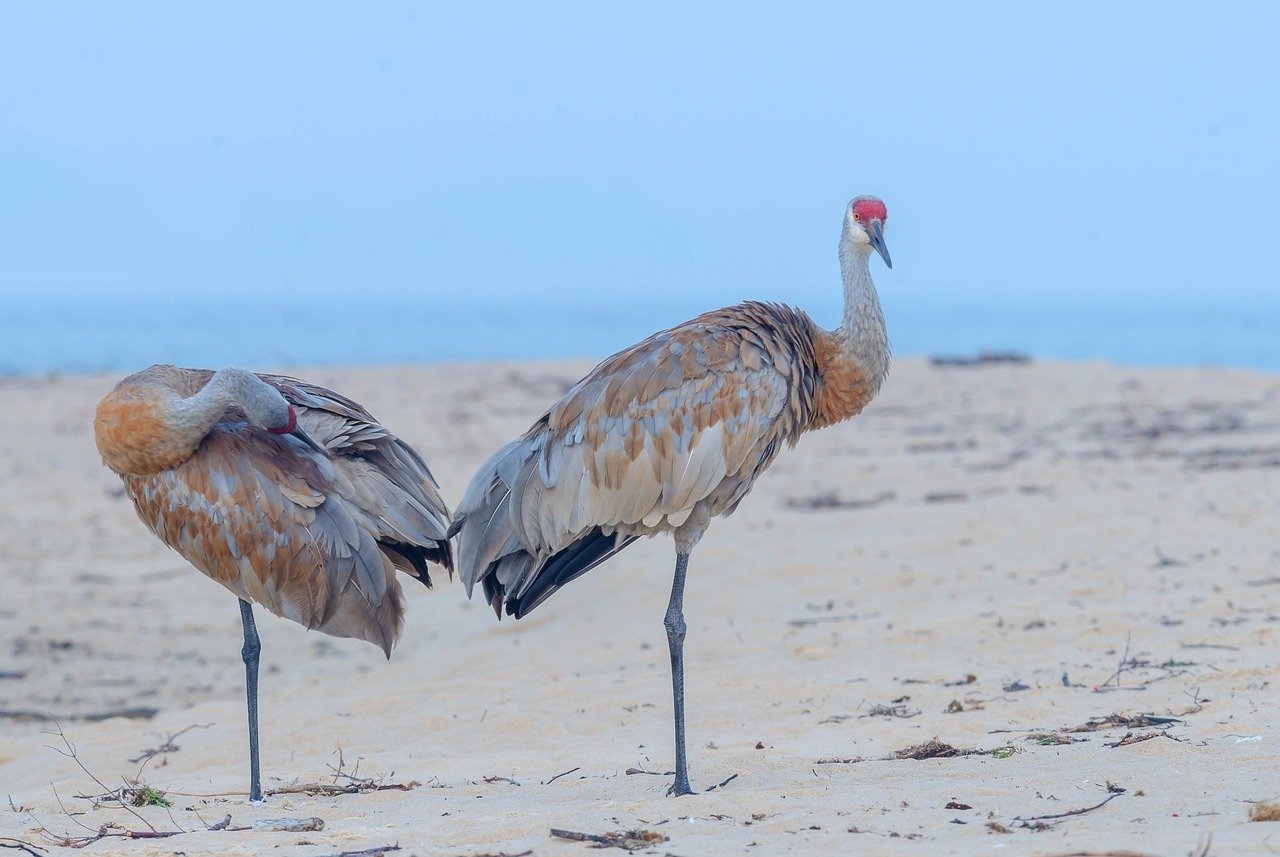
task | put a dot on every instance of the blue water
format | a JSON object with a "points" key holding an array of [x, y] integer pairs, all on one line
{"points": [[48, 333]]}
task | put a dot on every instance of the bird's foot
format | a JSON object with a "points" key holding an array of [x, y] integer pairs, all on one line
{"points": [[680, 787]]}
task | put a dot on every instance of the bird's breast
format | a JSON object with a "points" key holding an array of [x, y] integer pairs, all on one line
{"points": [[844, 388], [132, 436]]}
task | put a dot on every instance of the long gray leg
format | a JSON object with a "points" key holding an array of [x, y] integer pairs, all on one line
{"points": [[675, 641], [252, 648]]}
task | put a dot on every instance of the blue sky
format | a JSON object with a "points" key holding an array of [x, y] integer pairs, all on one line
{"points": [[1090, 152]]}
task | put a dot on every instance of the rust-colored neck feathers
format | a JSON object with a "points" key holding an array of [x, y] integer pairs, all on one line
{"points": [[156, 419], [853, 359]]}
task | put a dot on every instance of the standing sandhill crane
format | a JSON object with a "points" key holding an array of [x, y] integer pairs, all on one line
{"points": [[288, 494], [665, 435]]}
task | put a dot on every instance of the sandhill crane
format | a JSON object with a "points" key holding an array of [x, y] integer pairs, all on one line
{"points": [[664, 436], [288, 494]]}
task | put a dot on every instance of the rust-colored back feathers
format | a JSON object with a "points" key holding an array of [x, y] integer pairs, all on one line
{"points": [[313, 537]]}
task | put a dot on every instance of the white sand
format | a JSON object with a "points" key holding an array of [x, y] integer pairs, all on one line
{"points": [[1000, 522]]}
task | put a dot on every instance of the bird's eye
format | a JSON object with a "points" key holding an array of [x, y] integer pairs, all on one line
{"points": [[857, 216]]}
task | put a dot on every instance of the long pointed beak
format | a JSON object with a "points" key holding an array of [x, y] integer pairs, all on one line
{"points": [[877, 241], [306, 438]]}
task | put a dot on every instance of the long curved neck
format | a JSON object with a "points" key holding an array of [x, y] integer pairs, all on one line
{"points": [[189, 419], [862, 330], [149, 423]]}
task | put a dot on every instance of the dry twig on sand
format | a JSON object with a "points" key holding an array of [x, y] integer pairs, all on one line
{"points": [[1131, 738], [935, 749], [345, 783], [376, 851], [167, 745], [1134, 721], [20, 845], [898, 710], [570, 771], [132, 794], [1170, 668], [1073, 812], [627, 840], [127, 797]]}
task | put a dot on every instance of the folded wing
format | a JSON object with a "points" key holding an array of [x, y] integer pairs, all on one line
{"points": [[689, 416], [311, 537]]}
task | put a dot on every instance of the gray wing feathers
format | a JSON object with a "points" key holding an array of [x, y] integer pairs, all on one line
{"points": [[483, 521], [540, 493], [384, 476]]}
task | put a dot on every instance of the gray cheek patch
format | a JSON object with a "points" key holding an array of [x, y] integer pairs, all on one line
{"points": [[262, 402]]}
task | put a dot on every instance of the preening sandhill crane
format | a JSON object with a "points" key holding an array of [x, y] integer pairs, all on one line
{"points": [[288, 494], [667, 434]]}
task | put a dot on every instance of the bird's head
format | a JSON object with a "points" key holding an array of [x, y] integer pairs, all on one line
{"points": [[266, 406], [864, 225], [262, 403]]}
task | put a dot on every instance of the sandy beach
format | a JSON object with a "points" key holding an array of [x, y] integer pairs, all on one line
{"points": [[1068, 574]]}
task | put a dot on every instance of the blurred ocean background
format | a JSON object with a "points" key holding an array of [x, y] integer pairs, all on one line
{"points": [[85, 335], [301, 184]]}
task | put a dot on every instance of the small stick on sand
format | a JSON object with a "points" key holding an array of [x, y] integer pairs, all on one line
{"points": [[565, 774], [1106, 801]]}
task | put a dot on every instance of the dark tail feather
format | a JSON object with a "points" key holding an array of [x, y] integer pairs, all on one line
{"points": [[560, 568], [414, 558], [443, 555], [493, 594]]}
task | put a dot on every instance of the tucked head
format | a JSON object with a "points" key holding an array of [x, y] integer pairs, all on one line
{"points": [[267, 406], [262, 403], [864, 224]]}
